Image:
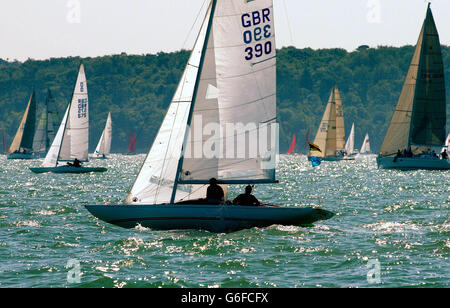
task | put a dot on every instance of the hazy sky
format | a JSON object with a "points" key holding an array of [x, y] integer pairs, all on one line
{"points": [[42, 29]]}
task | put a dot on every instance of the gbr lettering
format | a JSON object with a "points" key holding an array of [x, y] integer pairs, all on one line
{"points": [[257, 28]]}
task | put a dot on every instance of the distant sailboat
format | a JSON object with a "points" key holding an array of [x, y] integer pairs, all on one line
{"points": [[330, 136], [223, 73], [22, 145], [46, 128], [104, 145], [418, 125], [132, 145], [365, 148], [72, 139], [350, 144], [292, 146]]}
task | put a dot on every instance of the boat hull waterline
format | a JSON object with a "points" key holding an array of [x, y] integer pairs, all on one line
{"points": [[213, 218], [407, 163], [68, 169]]}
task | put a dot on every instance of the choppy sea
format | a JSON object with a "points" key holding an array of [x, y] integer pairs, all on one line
{"points": [[391, 229]]}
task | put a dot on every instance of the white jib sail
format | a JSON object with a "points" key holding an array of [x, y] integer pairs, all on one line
{"points": [[104, 144], [76, 135], [51, 159], [155, 181], [350, 145], [366, 145]]}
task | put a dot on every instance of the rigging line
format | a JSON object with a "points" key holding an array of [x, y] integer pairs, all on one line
{"points": [[193, 192], [289, 24], [193, 25]]}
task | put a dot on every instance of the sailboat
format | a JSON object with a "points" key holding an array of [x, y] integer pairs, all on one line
{"points": [[132, 145], [350, 144], [330, 136], [22, 145], [417, 129], [292, 146], [104, 144], [365, 148], [72, 139], [228, 72], [46, 128]]}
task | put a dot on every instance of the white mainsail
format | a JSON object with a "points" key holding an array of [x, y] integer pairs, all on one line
{"points": [[229, 78], [104, 144], [365, 148], [71, 140], [350, 144]]}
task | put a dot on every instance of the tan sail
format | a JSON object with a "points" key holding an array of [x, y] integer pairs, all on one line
{"points": [[340, 128], [330, 136], [419, 119], [23, 139]]}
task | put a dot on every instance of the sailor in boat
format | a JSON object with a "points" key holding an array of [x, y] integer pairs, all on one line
{"points": [[247, 198], [214, 193], [444, 154], [76, 163]]}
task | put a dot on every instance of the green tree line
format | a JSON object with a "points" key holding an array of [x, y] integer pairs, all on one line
{"points": [[137, 89]]}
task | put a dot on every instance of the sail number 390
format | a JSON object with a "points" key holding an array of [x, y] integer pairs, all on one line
{"points": [[259, 20]]}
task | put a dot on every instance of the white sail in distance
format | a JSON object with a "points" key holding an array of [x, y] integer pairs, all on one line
{"points": [[104, 144], [365, 148], [350, 144]]}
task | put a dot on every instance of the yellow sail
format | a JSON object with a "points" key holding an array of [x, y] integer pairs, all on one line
{"points": [[330, 136], [23, 140], [419, 120]]}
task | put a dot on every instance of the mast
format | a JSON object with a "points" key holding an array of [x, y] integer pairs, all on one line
{"points": [[194, 96]]}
